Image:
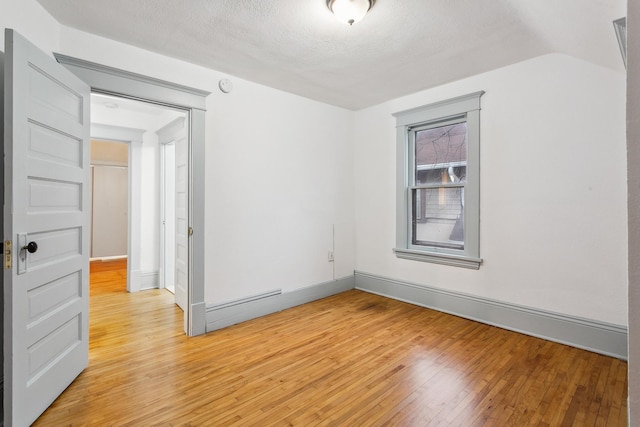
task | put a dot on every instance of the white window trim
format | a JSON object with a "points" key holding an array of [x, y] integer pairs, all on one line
{"points": [[467, 106]]}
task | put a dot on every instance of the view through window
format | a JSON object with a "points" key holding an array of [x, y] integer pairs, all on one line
{"points": [[440, 173]]}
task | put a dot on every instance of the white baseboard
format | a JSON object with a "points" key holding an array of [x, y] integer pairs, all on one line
{"points": [[108, 258], [149, 280], [592, 335], [231, 312], [198, 316]]}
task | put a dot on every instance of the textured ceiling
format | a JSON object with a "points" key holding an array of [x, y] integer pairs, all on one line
{"points": [[400, 47]]}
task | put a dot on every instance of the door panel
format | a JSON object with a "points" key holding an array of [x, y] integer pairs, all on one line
{"points": [[48, 146], [47, 197], [175, 138], [54, 246], [45, 194]]}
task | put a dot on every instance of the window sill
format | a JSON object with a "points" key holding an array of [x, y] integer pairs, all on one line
{"points": [[439, 258]]}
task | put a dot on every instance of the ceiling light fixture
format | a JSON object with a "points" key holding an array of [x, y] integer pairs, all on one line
{"points": [[350, 11]]}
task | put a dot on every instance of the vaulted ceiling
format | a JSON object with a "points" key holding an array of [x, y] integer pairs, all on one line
{"points": [[400, 47]]}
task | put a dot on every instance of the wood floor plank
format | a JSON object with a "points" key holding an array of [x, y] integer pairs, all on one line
{"points": [[350, 359]]}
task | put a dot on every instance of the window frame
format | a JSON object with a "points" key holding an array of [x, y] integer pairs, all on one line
{"points": [[462, 108]]}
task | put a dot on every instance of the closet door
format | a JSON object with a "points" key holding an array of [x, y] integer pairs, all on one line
{"points": [[109, 237]]}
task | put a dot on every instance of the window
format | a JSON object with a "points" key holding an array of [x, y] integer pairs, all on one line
{"points": [[438, 182]]}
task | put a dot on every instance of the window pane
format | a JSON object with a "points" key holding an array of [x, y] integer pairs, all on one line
{"points": [[438, 217], [441, 154]]}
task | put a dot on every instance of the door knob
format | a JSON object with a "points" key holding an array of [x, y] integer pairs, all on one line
{"points": [[31, 247]]}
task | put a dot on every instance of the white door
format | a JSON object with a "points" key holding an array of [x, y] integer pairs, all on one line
{"points": [[46, 201], [182, 216]]}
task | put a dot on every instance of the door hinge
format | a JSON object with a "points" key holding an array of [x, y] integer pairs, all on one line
{"points": [[7, 254], [190, 231]]}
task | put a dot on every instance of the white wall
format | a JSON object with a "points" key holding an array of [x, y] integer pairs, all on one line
{"points": [[279, 175], [553, 195], [633, 147], [150, 203]]}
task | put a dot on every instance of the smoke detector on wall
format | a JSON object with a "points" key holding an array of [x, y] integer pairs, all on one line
{"points": [[225, 85]]}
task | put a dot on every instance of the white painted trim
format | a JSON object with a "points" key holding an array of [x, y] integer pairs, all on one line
{"points": [[148, 280], [133, 277], [244, 300], [123, 83], [116, 133], [197, 320], [438, 110], [132, 137], [221, 315], [166, 135], [108, 258], [104, 78], [439, 258], [592, 335], [113, 163]]}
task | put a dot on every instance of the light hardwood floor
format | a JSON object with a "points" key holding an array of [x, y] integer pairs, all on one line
{"points": [[353, 359]]}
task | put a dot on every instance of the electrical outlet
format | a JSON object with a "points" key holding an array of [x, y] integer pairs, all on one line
{"points": [[330, 257]]}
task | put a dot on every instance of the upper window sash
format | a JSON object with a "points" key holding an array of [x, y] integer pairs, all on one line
{"points": [[414, 130]]}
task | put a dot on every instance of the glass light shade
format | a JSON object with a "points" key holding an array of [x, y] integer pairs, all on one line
{"points": [[350, 11]]}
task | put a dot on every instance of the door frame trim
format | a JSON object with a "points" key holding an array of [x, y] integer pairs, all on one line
{"points": [[126, 84], [165, 137], [105, 78]]}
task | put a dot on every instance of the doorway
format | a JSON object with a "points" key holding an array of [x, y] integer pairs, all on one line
{"points": [[63, 130], [112, 81], [141, 128], [109, 201]]}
